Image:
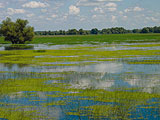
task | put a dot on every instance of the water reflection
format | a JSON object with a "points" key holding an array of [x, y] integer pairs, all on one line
{"points": [[148, 83], [122, 46], [101, 90], [105, 75]]}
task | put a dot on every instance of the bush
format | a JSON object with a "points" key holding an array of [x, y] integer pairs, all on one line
{"points": [[18, 47]]}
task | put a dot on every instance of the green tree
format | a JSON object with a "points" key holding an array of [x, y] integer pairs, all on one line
{"points": [[94, 31], [156, 29], [81, 32], [136, 31], [145, 30], [106, 31], [17, 32], [72, 32]]}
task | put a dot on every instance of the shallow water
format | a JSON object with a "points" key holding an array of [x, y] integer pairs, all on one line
{"points": [[124, 88]]}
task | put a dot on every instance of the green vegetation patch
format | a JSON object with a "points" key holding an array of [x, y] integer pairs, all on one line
{"points": [[94, 39], [12, 114], [121, 103], [21, 113], [84, 56], [18, 47]]}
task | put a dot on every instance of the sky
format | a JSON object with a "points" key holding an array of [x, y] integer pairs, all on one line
{"points": [[85, 14]]}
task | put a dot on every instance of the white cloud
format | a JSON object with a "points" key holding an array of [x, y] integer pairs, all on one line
{"points": [[94, 2], [73, 10], [104, 8], [152, 19], [94, 16], [43, 10], [127, 10], [112, 9], [12, 11], [124, 18], [49, 19], [100, 10], [135, 9], [41, 17], [58, 5], [65, 16], [30, 15], [113, 18], [120, 12], [82, 19], [107, 7], [1, 5], [111, 5], [54, 16], [138, 9], [34, 4]]}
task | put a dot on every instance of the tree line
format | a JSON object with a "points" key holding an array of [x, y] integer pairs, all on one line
{"points": [[18, 32], [115, 30]]}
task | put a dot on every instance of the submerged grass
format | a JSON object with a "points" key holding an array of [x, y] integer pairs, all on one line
{"points": [[88, 56], [59, 92], [115, 104]]}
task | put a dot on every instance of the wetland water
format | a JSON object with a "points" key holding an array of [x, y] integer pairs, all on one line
{"points": [[116, 81]]}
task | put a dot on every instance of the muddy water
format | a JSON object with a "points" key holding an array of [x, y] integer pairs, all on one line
{"points": [[100, 90]]}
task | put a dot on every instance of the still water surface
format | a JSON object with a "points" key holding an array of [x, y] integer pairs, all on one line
{"points": [[100, 90]]}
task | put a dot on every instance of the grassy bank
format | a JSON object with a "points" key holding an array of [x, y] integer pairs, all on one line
{"points": [[93, 39]]}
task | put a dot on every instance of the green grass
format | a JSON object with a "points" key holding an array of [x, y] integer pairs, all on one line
{"points": [[93, 39]]}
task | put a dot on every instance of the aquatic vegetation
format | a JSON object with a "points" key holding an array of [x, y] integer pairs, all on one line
{"points": [[18, 47], [29, 57], [80, 82], [82, 54]]}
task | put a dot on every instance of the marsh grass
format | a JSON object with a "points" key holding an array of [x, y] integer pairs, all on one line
{"points": [[115, 104], [47, 92], [88, 54]]}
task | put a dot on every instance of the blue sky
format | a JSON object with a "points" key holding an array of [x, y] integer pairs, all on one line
{"points": [[86, 14]]}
